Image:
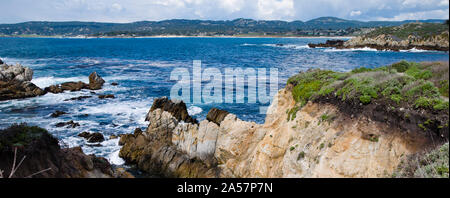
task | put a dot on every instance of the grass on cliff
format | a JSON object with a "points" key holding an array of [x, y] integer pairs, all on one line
{"points": [[424, 30], [19, 135], [403, 84], [433, 164]]}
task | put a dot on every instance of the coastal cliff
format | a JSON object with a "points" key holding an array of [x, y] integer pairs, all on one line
{"points": [[421, 36], [323, 124]]}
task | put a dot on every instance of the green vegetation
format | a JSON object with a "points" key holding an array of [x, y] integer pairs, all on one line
{"points": [[424, 30], [434, 164], [403, 84], [301, 155], [19, 135]]}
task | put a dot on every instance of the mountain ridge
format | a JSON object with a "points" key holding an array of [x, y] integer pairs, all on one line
{"points": [[239, 26]]}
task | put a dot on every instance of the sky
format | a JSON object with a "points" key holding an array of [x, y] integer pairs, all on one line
{"points": [[14, 11]]}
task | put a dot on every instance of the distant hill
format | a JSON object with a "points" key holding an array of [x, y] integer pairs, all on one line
{"points": [[194, 27]]}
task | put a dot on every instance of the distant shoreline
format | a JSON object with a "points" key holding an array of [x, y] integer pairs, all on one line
{"points": [[173, 36]]}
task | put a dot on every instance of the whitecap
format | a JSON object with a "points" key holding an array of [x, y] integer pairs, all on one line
{"points": [[194, 110], [364, 49], [50, 80], [114, 158]]}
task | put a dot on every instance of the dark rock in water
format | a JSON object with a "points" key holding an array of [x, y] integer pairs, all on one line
{"points": [[175, 107], [15, 73], [57, 114], [18, 90], [112, 137], [93, 92], [54, 89], [92, 137], [106, 96], [279, 44], [44, 155], [70, 124], [74, 86], [328, 43], [15, 83], [95, 81], [216, 115], [114, 84], [78, 98], [1, 62]]}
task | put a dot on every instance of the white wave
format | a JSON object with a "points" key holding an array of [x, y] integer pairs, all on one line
{"points": [[414, 50], [194, 110], [365, 49], [248, 44], [122, 111], [288, 46], [114, 158], [47, 81]]}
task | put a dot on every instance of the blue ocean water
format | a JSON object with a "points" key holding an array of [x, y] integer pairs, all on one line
{"points": [[142, 67]]}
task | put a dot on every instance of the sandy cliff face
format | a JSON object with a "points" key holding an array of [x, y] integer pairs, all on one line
{"points": [[319, 142]]}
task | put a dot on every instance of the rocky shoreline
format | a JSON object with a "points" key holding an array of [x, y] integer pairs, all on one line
{"points": [[385, 39], [328, 135]]}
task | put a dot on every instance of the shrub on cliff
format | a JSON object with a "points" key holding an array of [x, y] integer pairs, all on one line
{"points": [[402, 84], [433, 164]]}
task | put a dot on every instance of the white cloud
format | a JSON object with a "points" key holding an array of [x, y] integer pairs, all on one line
{"points": [[138, 10], [355, 13]]}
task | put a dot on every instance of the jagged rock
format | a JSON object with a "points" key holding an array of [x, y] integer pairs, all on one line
{"points": [[18, 90], [54, 89], [43, 152], [153, 150], [15, 83], [328, 43], [114, 84], [57, 114], [16, 72], [95, 81], [106, 96], [122, 173], [1, 62], [216, 115], [92, 137], [74, 86], [70, 124], [175, 107]]}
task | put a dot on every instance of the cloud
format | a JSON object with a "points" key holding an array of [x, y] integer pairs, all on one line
{"points": [[138, 10], [355, 13]]}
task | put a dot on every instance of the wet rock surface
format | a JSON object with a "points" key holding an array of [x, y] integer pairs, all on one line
{"points": [[57, 114], [15, 83], [216, 115], [70, 124], [92, 137], [106, 96], [95, 81]]}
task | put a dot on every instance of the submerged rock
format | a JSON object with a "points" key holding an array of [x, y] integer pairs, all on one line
{"points": [[95, 81], [43, 153], [92, 137], [106, 96], [70, 124], [57, 114], [78, 98]]}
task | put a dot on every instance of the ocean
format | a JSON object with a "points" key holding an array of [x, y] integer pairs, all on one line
{"points": [[142, 68]]}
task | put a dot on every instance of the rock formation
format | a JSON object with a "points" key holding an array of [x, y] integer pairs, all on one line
{"points": [[418, 36], [43, 153], [95, 81], [310, 145], [92, 137], [15, 83]]}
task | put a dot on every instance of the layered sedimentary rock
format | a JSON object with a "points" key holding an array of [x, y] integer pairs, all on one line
{"points": [[15, 83], [342, 145]]}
